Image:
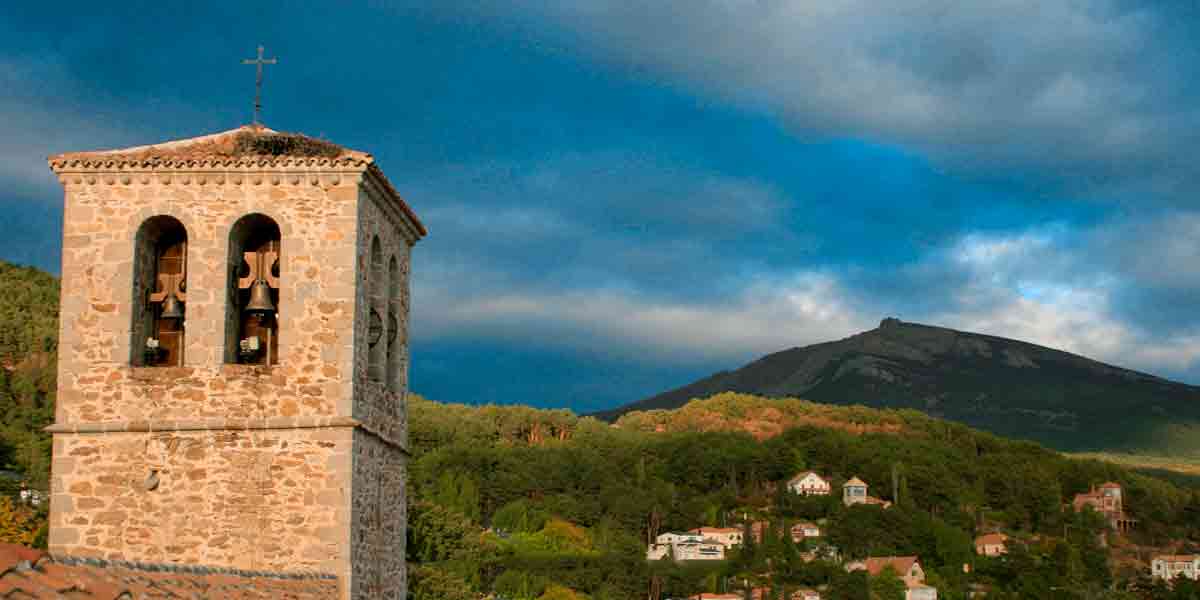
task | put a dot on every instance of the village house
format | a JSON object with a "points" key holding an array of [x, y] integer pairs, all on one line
{"points": [[1107, 500], [705, 549], [727, 536], [991, 544], [1168, 567], [809, 484], [685, 546], [712, 596], [907, 568], [804, 530], [855, 492]]}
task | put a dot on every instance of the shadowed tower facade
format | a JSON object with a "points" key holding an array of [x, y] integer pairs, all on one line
{"points": [[233, 359]]}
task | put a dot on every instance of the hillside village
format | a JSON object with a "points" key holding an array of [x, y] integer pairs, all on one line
{"points": [[717, 543]]}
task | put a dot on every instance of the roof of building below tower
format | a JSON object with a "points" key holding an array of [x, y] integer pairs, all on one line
{"points": [[28, 573]]}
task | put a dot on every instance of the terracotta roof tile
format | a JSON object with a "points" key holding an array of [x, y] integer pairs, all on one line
{"points": [[901, 564], [94, 579]]}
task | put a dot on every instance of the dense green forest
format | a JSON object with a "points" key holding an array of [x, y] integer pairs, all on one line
{"points": [[541, 504], [28, 344]]}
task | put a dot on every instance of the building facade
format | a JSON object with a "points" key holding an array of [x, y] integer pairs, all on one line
{"points": [[991, 544], [855, 492], [1108, 501], [233, 359], [1168, 567], [809, 484]]}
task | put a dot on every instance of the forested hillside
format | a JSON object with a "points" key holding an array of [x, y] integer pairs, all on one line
{"points": [[28, 343], [1009, 387], [572, 502]]}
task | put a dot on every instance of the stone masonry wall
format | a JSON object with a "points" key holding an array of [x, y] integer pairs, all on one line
{"points": [[294, 467], [379, 518], [380, 402], [270, 500], [378, 530], [317, 290]]}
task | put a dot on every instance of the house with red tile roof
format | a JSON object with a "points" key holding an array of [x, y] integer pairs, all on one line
{"points": [[991, 544], [907, 568], [1107, 499], [805, 530]]}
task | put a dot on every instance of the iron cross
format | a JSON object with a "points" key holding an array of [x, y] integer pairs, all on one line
{"points": [[258, 62]]}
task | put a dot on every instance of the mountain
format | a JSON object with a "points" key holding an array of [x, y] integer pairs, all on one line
{"points": [[1009, 387]]}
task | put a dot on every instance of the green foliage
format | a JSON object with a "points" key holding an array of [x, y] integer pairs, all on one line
{"points": [[431, 583], [28, 345], [887, 585], [574, 501]]}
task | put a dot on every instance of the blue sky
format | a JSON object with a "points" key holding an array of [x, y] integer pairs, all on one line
{"points": [[624, 198]]}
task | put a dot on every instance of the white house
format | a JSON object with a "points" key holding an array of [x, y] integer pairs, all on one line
{"points": [[686, 546], [708, 549], [1169, 567], [727, 536], [809, 484], [991, 544], [674, 538], [805, 530], [855, 492]]}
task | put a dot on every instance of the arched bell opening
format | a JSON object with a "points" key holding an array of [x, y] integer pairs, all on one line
{"points": [[252, 292], [159, 293]]}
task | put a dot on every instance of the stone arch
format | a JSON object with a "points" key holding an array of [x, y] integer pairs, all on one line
{"points": [[376, 311], [252, 291], [159, 292]]}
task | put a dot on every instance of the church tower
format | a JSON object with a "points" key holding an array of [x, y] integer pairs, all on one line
{"points": [[233, 359]]}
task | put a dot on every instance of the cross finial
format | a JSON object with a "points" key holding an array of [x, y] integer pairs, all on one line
{"points": [[258, 62]]}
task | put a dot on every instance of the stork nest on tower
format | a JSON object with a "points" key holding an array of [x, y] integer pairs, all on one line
{"points": [[283, 144]]}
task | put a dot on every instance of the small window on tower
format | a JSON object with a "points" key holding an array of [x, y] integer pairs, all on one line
{"points": [[252, 314], [160, 292]]}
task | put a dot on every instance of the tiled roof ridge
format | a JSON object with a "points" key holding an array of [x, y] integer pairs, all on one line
{"points": [[183, 569], [217, 150]]}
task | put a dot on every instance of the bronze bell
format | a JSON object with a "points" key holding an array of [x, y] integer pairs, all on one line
{"points": [[172, 308], [260, 298]]}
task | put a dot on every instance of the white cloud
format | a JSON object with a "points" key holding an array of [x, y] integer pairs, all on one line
{"points": [[1024, 286], [769, 315], [1091, 93]]}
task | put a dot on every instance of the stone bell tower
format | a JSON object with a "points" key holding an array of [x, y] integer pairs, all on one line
{"points": [[233, 359]]}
